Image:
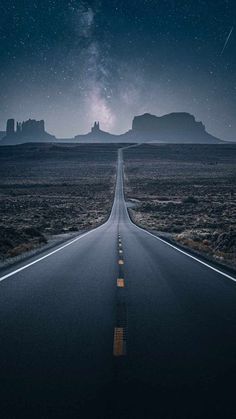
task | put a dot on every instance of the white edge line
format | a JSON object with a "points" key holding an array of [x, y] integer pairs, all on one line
{"points": [[47, 255], [186, 254], [60, 248], [175, 247], [91, 231]]}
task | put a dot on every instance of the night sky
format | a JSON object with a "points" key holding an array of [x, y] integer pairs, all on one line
{"points": [[71, 62]]}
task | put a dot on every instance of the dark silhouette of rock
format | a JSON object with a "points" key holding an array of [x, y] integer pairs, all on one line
{"points": [[18, 127], [178, 127], [2, 134], [31, 128], [96, 128], [10, 129], [26, 131], [96, 135]]}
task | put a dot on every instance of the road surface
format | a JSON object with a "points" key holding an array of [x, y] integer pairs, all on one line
{"points": [[117, 324]]}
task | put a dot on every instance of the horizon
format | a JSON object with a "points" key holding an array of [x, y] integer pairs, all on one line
{"points": [[116, 60], [117, 209], [111, 132]]}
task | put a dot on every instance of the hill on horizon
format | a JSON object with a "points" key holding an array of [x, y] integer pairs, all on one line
{"points": [[2, 134], [176, 127]]}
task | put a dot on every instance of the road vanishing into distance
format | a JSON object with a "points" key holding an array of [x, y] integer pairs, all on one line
{"points": [[117, 323]]}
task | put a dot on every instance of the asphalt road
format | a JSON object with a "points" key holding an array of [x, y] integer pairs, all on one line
{"points": [[117, 324]]}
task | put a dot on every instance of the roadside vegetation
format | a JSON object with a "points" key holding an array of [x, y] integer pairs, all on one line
{"points": [[186, 193], [52, 190]]}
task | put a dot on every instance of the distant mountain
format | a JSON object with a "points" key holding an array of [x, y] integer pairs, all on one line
{"points": [[27, 131], [97, 135], [2, 134], [178, 127]]}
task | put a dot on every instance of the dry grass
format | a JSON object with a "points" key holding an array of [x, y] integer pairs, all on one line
{"points": [[47, 190], [186, 193]]}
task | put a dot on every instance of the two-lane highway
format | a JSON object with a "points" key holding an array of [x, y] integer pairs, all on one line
{"points": [[117, 323]]}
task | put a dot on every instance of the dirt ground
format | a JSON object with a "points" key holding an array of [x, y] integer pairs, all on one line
{"points": [[47, 190], [186, 193]]}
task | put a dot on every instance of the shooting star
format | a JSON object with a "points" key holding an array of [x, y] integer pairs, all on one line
{"points": [[227, 40]]}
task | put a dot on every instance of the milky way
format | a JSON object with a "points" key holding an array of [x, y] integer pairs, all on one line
{"points": [[72, 62]]}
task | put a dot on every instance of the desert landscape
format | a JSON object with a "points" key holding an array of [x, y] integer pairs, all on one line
{"points": [[51, 191], [186, 194]]}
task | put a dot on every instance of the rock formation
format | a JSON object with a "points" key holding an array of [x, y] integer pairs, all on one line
{"points": [[2, 134], [178, 127], [10, 128], [97, 135], [26, 131]]}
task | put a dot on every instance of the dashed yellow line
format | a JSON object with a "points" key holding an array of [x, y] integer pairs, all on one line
{"points": [[119, 344], [120, 282]]}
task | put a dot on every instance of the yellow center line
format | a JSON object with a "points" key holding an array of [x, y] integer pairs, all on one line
{"points": [[120, 282], [119, 348]]}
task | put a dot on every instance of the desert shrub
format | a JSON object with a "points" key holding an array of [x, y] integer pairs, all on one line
{"points": [[226, 241], [190, 200], [148, 207], [32, 232], [175, 228]]}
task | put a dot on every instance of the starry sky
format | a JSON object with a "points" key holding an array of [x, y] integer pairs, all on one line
{"points": [[71, 62]]}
